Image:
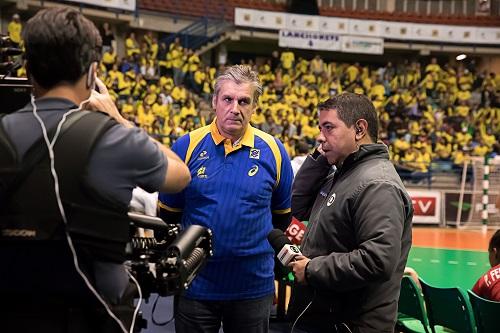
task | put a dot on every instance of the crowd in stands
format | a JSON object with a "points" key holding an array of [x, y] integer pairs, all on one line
{"points": [[433, 112]]}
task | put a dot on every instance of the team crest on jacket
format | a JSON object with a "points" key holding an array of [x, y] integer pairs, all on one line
{"points": [[331, 199], [255, 153]]}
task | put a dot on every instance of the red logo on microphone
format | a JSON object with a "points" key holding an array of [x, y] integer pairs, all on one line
{"points": [[295, 231]]}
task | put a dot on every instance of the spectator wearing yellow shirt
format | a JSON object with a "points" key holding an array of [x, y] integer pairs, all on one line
{"points": [[113, 78], [151, 95], [462, 109], [299, 88], [269, 94], [358, 89], [131, 45], [257, 118], [176, 54], [153, 48], [400, 146], [463, 138], [199, 78], [317, 65], [146, 118], [266, 76], [310, 131], [433, 67], [309, 78], [159, 109], [109, 58], [139, 87], [352, 72], [377, 91], [287, 59], [458, 156], [409, 159], [479, 147], [465, 80], [302, 66], [125, 88], [442, 149], [188, 109], [463, 94], [166, 82], [129, 106], [193, 64], [14, 28], [490, 80], [179, 93], [486, 135]]}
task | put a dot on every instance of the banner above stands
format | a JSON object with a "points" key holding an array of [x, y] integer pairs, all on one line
{"points": [[367, 28], [369, 45], [116, 4], [330, 42], [310, 40]]}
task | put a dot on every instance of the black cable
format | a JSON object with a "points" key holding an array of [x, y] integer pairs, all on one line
{"points": [[153, 314]]}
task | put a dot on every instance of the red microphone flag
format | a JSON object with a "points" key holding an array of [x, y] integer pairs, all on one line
{"points": [[295, 231]]}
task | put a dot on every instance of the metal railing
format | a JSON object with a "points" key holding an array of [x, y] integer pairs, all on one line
{"points": [[199, 33]]}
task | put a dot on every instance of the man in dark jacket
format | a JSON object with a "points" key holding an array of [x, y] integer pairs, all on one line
{"points": [[359, 234]]}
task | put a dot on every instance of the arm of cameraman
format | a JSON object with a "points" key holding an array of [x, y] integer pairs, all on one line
{"points": [[168, 216], [177, 175]]}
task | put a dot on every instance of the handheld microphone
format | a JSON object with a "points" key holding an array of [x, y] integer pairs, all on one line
{"points": [[286, 251]]}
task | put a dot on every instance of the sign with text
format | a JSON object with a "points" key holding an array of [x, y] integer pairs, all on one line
{"points": [[309, 40], [426, 206], [369, 45]]}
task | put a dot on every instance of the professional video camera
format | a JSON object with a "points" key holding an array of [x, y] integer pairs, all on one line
{"points": [[14, 92], [167, 263]]}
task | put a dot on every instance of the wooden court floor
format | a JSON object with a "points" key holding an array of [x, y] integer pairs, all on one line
{"points": [[449, 257]]}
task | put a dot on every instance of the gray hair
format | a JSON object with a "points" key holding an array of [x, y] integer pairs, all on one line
{"points": [[240, 74]]}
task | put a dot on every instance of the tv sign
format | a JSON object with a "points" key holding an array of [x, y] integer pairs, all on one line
{"points": [[426, 206]]}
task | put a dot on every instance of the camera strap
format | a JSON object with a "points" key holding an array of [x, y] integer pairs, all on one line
{"points": [[99, 225]]}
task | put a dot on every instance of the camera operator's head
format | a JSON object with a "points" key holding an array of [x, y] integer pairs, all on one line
{"points": [[62, 51]]}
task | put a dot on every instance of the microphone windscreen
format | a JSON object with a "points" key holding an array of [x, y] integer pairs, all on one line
{"points": [[277, 239]]}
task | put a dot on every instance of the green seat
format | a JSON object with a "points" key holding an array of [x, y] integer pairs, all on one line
{"points": [[487, 313], [448, 307], [411, 309]]}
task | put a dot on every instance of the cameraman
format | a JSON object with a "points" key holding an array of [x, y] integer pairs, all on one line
{"points": [[74, 193]]}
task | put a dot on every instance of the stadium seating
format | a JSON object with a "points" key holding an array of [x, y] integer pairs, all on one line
{"points": [[448, 307], [486, 313], [411, 308]]}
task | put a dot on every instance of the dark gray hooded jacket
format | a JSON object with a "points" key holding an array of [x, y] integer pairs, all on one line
{"points": [[358, 240]]}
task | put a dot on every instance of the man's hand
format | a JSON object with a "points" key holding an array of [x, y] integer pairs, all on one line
{"points": [[101, 101], [298, 267]]}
